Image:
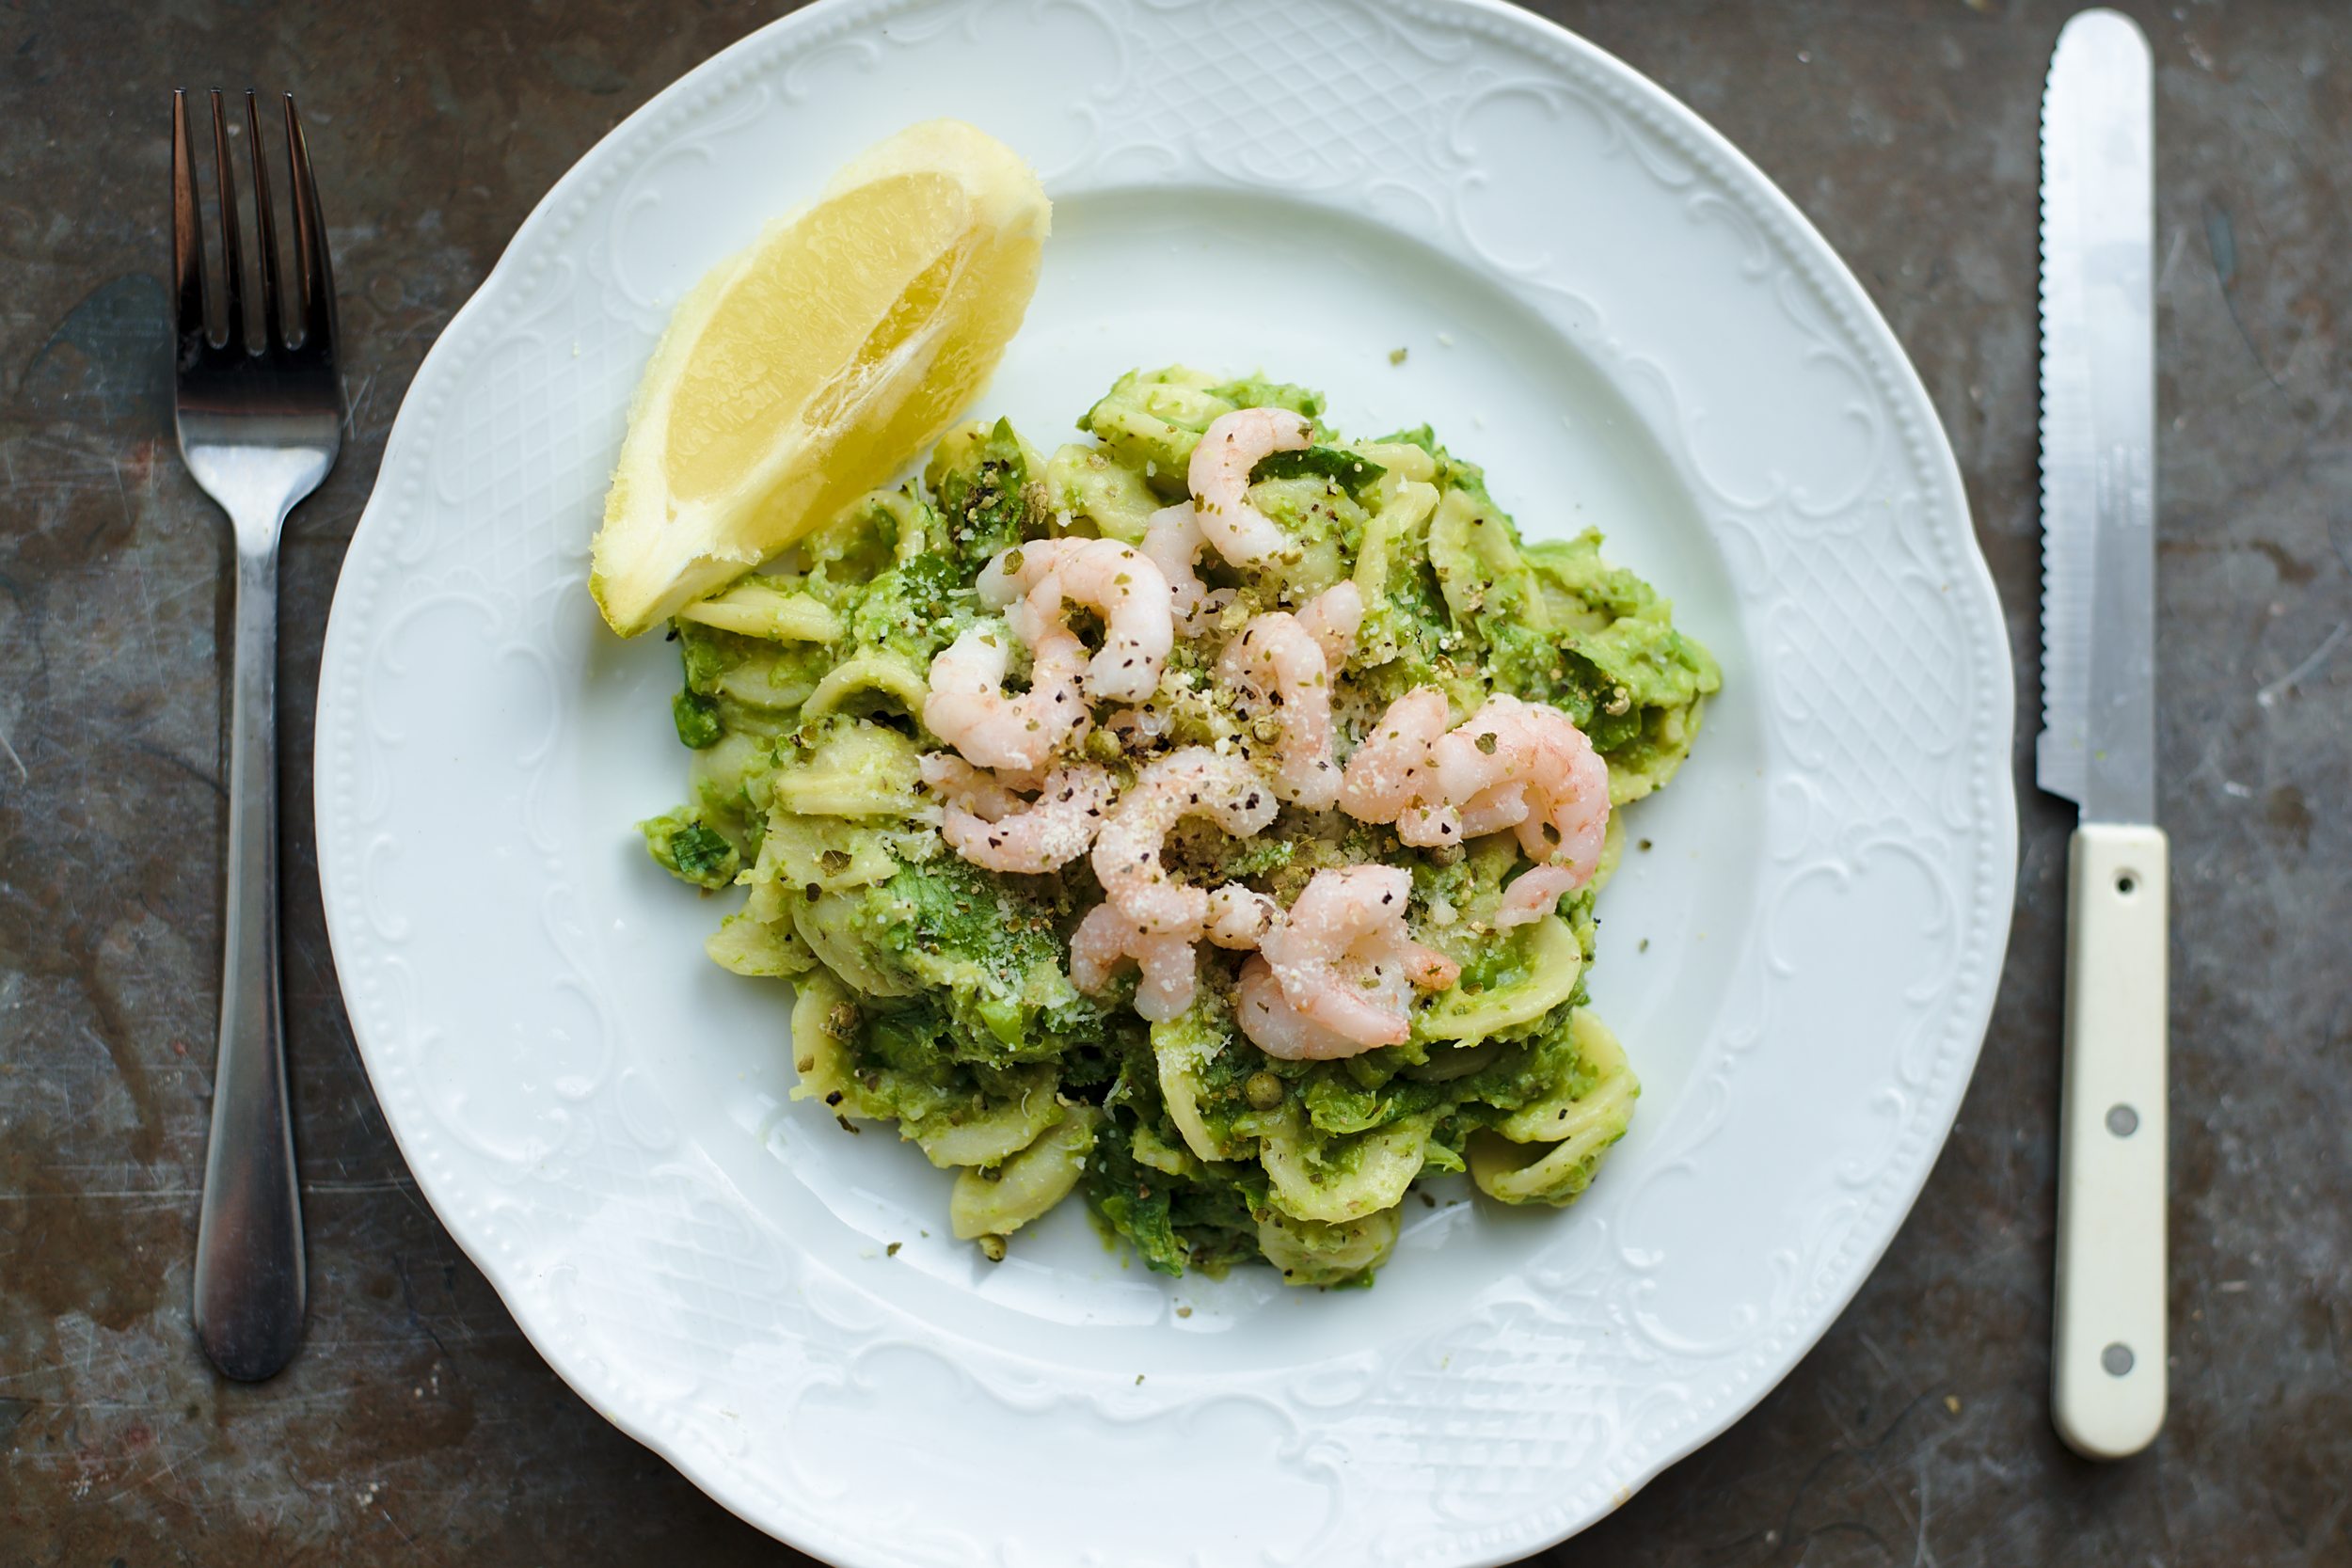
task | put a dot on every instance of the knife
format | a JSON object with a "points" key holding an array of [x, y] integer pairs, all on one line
{"points": [[2098, 741]]}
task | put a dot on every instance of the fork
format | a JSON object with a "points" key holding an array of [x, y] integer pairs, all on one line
{"points": [[259, 411]]}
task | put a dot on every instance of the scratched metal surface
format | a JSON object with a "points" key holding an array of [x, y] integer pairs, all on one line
{"points": [[418, 1427]]}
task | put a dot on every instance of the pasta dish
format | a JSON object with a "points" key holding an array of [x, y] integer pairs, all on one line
{"points": [[1206, 819]]}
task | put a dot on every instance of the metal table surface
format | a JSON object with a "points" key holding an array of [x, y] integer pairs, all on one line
{"points": [[418, 1427]]}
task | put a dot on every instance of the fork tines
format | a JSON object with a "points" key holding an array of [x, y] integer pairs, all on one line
{"points": [[300, 319]]}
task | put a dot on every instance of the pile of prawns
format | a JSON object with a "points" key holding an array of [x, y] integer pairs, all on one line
{"points": [[1332, 975]]}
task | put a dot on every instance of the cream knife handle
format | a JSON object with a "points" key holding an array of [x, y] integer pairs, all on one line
{"points": [[2108, 1364]]}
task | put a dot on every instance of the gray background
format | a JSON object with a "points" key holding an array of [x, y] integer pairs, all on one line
{"points": [[419, 1427]]}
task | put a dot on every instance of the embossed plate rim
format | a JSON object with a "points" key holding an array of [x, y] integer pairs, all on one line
{"points": [[773, 48]]}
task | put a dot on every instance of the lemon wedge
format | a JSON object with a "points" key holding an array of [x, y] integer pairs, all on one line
{"points": [[809, 368]]}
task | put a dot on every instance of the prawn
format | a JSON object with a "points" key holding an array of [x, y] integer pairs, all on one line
{"points": [[1105, 938], [1032, 581], [1279, 679], [1344, 957], [1239, 918], [1279, 1029], [1173, 540], [976, 790], [1516, 765], [1393, 778], [1219, 477], [1526, 765], [1533, 894], [988, 825], [1192, 781], [968, 707], [1332, 618]]}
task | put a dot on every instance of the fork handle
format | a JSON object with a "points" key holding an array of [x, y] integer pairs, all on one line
{"points": [[249, 1284]]}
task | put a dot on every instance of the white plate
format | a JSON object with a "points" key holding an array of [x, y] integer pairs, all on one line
{"points": [[1606, 305]]}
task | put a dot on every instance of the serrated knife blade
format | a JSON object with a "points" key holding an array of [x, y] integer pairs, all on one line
{"points": [[2098, 740], [2097, 745]]}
